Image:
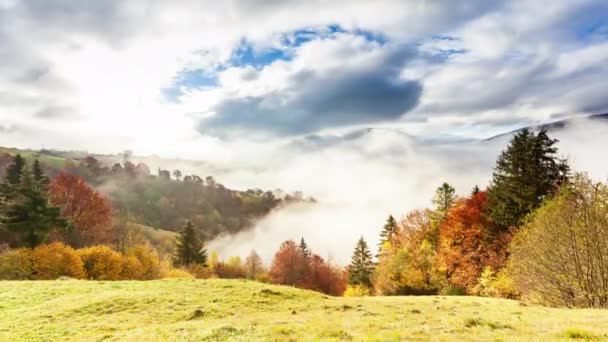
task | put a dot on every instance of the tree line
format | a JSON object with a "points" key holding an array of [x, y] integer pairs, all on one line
{"points": [[538, 232]]}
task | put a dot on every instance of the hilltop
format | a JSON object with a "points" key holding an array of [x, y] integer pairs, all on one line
{"points": [[215, 309]]}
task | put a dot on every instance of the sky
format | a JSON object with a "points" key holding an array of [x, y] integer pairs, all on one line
{"points": [[311, 95]]}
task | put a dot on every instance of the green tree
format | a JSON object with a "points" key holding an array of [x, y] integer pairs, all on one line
{"points": [[189, 248], [361, 267], [444, 199], [13, 177], [386, 235], [526, 173], [28, 213], [304, 248], [38, 174]]}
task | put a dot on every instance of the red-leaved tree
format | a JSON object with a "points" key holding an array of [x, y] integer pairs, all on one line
{"points": [[289, 266], [292, 265], [89, 211], [467, 244]]}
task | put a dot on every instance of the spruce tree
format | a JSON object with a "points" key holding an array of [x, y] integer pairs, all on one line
{"points": [[386, 235], [361, 267], [475, 190], [304, 248], [28, 213], [444, 199], [526, 173], [13, 178], [189, 248], [38, 174]]}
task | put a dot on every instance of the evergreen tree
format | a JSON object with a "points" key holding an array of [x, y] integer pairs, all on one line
{"points": [[28, 213], [38, 174], [362, 267], [444, 199], [189, 248], [475, 190], [387, 233], [13, 178], [526, 173], [304, 248]]}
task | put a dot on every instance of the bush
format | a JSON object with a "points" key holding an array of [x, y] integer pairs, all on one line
{"points": [[148, 258], [56, 260], [101, 263], [16, 264], [132, 268], [357, 291], [170, 272], [496, 285]]}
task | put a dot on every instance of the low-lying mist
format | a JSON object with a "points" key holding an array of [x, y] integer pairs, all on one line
{"points": [[358, 181]]}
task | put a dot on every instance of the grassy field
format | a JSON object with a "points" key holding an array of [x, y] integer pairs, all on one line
{"points": [[212, 310]]}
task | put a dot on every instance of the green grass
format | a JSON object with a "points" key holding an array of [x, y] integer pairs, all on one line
{"points": [[212, 310]]}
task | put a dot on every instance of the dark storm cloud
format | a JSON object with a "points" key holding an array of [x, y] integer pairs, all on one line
{"points": [[314, 101]]}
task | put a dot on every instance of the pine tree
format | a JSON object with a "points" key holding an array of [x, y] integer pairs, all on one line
{"points": [[526, 173], [38, 174], [28, 213], [362, 267], [189, 248], [444, 199], [387, 233], [13, 178], [304, 248], [475, 190]]}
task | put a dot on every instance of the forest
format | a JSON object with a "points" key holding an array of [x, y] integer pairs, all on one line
{"points": [[537, 232]]}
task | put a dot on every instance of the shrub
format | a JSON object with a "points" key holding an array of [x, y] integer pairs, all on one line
{"points": [[176, 273], [132, 268], [55, 260], [101, 263], [149, 261], [493, 284], [357, 291], [16, 264]]}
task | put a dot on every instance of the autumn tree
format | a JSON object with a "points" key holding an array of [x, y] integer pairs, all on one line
{"points": [[407, 266], [560, 257], [189, 248], [89, 212], [526, 173], [289, 265], [361, 268], [467, 243], [324, 277], [254, 265]]}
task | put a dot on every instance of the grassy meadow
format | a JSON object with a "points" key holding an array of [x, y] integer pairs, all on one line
{"points": [[216, 310]]}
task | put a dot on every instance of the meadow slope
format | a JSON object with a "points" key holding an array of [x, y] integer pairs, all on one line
{"points": [[215, 309]]}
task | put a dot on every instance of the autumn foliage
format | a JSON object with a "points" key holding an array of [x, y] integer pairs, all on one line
{"points": [[467, 244], [293, 266], [89, 212]]}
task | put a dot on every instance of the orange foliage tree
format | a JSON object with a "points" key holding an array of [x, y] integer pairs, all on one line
{"points": [[289, 265], [292, 266], [467, 244], [88, 210]]}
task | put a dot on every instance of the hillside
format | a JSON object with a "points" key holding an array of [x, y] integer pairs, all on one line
{"points": [[162, 199], [211, 310]]}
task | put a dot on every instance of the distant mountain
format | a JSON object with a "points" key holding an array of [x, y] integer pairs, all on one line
{"points": [[555, 126]]}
